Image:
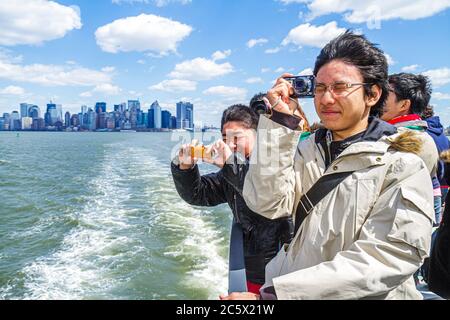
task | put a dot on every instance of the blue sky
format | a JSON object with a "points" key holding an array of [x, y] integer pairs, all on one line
{"points": [[211, 52]]}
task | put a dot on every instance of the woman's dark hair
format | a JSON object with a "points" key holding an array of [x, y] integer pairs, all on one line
{"points": [[356, 50], [413, 87], [240, 113]]}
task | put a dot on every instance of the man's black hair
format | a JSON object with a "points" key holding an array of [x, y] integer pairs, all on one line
{"points": [[367, 57], [413, 87], [257, 97], [240, 113]]}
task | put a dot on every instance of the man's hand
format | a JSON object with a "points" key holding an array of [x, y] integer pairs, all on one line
{"points": [[280, 95], [184, 156], [221, 151], [240, 296]]}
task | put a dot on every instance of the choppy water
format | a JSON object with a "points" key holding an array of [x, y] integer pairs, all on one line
{"points": [[96, 216]]}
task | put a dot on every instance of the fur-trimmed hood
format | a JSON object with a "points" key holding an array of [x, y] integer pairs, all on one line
{"points": [[419, 143]]}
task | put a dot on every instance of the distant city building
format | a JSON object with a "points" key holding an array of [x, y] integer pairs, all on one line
{"points": [[134, 105], [185, 115], [151, 118], [24, 108], [110, 124], [51, 116], [157, 114], [101, 120], [38, 124], [67, 119], [26, 123], [75, 120], [173, 122], [14, 121], [34, 112], [59, 113], [100, 107], [91, 120], [165, 119]]}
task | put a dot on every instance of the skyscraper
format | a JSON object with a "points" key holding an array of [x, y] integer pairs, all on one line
{"points": [[173, 122], [15, 123], [134, 105], [59, 114], [185, 115], [100, 107], [151, 118], [165, 119], [26, 123], [24, 110], [51, 115], [67, 119], [34, 112], [157, 114]]}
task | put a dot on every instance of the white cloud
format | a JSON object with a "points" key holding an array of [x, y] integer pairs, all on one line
{"points": [[390, 60], [254, 80], [106, 89], [280, 70], [200, 69], [356, 11], [143, 33], [86, 94], [158, 3], [254, 42], [161, 3], [273, 50], [410, 68], [52, 75], [35, 21], [229, 93], [438, 77], [175, 85], [140, 61], [108, 69], [441, 96], [315, 36], [265, 70], [12, 90], [220, 55], [306, 72]]}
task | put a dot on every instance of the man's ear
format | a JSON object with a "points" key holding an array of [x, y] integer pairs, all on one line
{"points": [[374, 96], [406, 106]]}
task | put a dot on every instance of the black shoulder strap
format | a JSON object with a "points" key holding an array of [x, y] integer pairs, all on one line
{"points": [[318, 191]]}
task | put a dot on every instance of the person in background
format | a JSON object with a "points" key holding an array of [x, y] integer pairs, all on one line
{"points": [[409, 95], [436, 131], [262, 237]]}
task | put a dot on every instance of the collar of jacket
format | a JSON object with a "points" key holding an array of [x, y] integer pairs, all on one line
{"points": [[410, 120], [361, 143]]}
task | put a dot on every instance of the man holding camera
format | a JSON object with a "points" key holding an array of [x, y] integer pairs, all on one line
{"points": [[262, 237], [361, 197]]}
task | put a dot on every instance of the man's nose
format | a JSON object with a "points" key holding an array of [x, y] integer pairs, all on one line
{"points": [[327, 98]]}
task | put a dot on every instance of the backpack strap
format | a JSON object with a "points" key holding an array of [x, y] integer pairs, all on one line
{"points": [[315, 194], [237, 279]]}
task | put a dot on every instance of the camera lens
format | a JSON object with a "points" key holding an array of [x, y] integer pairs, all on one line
{"points": [[301, 85]]}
